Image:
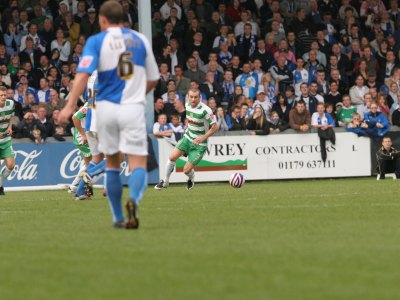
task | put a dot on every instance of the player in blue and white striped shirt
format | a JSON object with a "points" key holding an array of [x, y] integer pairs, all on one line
{"points": [[127, 70]]}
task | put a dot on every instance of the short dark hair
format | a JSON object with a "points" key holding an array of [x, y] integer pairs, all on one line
{"points": [[112, 11]]}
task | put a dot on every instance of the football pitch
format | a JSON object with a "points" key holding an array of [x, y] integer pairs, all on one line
{"points": [[306, 239]]}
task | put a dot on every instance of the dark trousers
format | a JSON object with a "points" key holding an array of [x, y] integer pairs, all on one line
{"points": [[388, 166], [324, 135]]}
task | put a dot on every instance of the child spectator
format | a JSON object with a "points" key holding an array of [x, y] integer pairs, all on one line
{"points": [[276, 124]]}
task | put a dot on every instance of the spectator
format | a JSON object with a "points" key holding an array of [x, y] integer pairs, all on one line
{"points": [[37, 43], [176, 55], [224, 56], [300, 75], [158, 108], [276, 124], [264, 56], [358, 127], [43, 94], [64, 89], [193, 72], [246, 42], [23, 24], [63, 45], [229, 87], [312, 65], [376, 121], [193, 28], [234, 121], [12, 39], [212, 104], [5, 75], [299, 117], [383, 107], [393, 94], [48, 128], [282, 73], [225, 19], [345, 113], [211, 88], [235, 66], [80, 11], [4, 56], [77, 54], [221, 122], [29, 54], [55, 103], [221, 38], [47, 35], [177, 127], [162, 129], [41, 70], [31, 128], [165, 77], [387, 159], [90, 24], [323, 122], [357, 93], [197, 44], [179, 110], [257, 70], [248, 81], [182, 83], [334, 96], [166, 8], [322, 84], [258, 122], [203, 10], [282, 108], [234, 11], [263, 100], [245, 20]]}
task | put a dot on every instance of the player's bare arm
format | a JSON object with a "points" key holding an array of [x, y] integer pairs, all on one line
{"points": [[213, 129], [78, 88], [151, 84], [78, 126]]}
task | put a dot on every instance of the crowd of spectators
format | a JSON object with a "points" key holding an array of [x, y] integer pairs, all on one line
{"points": [[267, 65], [41, 43], [254, 61]]}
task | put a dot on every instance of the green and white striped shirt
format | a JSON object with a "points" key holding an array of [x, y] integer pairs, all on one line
{"points": [[199, 120], [81, 116], [6, 113]]}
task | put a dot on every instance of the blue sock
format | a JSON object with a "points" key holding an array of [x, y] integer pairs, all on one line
{"points": [[114, 193], [81, 187], [97, 169], [137, 184]]}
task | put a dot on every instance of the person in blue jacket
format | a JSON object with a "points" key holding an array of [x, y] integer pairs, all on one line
{"points": [[377, 121]]}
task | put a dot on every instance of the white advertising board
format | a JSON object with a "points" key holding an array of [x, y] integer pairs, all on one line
{"points": [[283, 156]]}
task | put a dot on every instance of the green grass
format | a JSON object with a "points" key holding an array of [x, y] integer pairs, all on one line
{"points": [[321, 239]]}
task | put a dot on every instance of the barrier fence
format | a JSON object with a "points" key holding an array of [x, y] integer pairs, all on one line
{"points": [[284, 156]]}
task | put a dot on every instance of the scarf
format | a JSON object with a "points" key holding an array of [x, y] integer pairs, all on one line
{"points": [[252, 43]]}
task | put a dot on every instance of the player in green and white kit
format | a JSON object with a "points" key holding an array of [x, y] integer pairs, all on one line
{"points": [[194, 141], [6, 150], [80, 140]]}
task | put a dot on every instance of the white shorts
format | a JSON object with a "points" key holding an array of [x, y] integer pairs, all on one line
{"points": [[121, 128], [93, 142]]}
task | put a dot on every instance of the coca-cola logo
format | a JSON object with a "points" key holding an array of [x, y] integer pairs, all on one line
{"points": [[71, 164], [27, 169]]}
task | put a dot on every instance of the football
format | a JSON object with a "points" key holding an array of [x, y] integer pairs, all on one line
{"points": [[237, 180]]}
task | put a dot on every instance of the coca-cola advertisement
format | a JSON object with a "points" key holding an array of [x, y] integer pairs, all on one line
{"points": [[53, 163]]}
